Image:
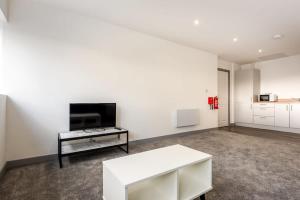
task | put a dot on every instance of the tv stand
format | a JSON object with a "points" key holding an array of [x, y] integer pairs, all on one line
{"points": [[90, 140]]}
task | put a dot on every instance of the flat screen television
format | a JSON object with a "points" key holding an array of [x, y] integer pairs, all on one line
{"points": [[92, 115]]}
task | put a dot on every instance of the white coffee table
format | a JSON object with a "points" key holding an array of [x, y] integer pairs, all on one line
{"points": [[171, 173]]}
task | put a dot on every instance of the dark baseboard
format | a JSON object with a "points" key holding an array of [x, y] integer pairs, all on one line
{"points": [[29, 161], [3, 171], [171, 136]]}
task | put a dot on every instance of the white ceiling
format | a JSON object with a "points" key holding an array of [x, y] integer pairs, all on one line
{"points": [[254, 22]]}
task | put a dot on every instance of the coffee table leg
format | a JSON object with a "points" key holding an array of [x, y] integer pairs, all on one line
{"points": [[202, 197]]}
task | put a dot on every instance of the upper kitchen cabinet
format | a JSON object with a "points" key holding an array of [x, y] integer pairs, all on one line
{"points": [[295, 115], [247, 87]]}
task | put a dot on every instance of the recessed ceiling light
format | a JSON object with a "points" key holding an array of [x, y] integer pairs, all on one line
{"points": [[235, 39], [196, 22], [277, 36], [260, 50]]}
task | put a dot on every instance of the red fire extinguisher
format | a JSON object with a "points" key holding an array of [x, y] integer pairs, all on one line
{"points": [[216, 102], [211, 103]]}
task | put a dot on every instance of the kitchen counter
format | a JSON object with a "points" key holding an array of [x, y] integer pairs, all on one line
{"points": [[280, 101]]}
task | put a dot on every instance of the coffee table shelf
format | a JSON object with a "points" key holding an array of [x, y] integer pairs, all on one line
{"points": [[191, 186], [162, 187]]}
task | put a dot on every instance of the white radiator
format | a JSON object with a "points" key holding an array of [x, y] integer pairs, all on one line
{"points": [[187, 117]]}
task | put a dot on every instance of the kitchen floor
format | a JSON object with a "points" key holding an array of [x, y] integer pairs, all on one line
{"points": [[248, 164]]}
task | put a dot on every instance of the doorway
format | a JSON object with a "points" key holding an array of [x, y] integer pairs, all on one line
{"points": [[224, 97]]}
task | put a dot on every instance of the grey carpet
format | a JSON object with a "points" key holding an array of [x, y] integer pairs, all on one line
{"points": [[247, 164]]}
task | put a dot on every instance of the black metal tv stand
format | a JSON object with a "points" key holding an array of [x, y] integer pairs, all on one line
{"points": [[91, 140]]}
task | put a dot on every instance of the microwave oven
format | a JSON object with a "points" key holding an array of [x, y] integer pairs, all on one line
{"points": [[268, 97]]}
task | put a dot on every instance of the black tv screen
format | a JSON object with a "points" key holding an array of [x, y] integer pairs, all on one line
{"points": [[92, 115]]}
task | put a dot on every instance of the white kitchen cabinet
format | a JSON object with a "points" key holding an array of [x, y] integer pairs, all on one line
{"points": [[263, 120], [264, 114], [244, 113], [247, 87], [264, 105], [282, 115], [295, 115], [262, 111]]}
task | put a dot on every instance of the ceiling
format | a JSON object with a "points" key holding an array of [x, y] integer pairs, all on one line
{"points": [[253, 22]]}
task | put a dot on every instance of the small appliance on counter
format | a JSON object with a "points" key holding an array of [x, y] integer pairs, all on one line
{"points": [[268, 97]]}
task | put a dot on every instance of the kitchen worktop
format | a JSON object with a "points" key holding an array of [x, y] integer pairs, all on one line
{"points": [[284, 101]]}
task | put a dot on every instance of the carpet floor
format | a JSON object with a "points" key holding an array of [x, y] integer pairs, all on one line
{"points": [[248, 164]]}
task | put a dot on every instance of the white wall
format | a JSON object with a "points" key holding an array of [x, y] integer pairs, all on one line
{"points": [[2, 69], [231, 67], [2, 104], [2, 131], [281, 76], [53, 57], [3, 10]]}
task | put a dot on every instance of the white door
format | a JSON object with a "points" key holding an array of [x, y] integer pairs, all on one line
{"points": [[282, 115], [295, 116], [223, 94]]}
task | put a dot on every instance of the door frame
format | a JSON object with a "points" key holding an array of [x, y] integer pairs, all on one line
{"points": [[229, 91]]}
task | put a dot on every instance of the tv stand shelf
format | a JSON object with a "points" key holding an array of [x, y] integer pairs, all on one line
{"points": [[75, 142]]}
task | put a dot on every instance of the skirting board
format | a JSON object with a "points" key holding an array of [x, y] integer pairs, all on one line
{"points": [[29, 161], [3, 170], [170, 136], [39, 159], [272, 128]]}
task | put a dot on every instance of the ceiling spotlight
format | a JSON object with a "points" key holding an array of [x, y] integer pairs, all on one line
{"points": [[235, 39], [260, 50], [196, 22], [277, 36]]}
